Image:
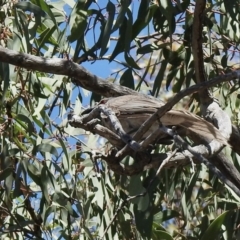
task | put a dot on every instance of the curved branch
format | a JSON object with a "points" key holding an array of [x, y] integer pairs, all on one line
{"points": [[197, 48], [210, 109], [81, 77]]}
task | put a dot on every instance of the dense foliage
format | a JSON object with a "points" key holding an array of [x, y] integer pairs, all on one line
{"points": [[53, 184]]}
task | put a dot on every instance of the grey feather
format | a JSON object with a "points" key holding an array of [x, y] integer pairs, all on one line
{"points": [[133, 110]]}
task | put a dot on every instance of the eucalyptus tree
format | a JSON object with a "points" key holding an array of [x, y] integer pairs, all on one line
{"points": [[159, 159]]}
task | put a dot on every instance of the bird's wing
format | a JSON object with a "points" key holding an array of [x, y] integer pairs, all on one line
{"points": [[129, 104], [139, 108], [194, 124]]}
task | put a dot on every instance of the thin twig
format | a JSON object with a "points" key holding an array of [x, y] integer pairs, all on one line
{"points": [[201, 158]]}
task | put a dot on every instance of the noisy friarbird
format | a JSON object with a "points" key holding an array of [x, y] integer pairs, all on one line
{"points": [[133, 110]]}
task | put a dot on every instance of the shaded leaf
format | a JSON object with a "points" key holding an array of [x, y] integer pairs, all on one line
{"points": [[159, 78], [4, 76], [165, 215], [24, 118], [78, 21], [121, 40], [121, 14], [215, 227], [28, 6], [5, 173], [127, 79], [144, 220], [145, 15], [131, 61], [47, 148], [107, 28]]}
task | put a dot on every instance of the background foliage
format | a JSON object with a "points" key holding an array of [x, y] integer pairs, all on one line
{"points": [[53, 186]]}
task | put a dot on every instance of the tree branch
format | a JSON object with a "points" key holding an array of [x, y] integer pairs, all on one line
{"points": [[197, 48], [81, 77], [210, 109], [232, 183]]}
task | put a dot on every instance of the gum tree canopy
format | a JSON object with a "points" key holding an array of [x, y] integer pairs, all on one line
{"points": [[119, 119]]}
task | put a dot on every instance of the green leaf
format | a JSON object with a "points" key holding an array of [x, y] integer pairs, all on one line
{"points": [[130, 61], [215, 227], [5, 173], [120, 44], [23, 25], [144, 220], [171, 75], [180, 7], [47, 148], [40, 106], [143, 202], [46, 8], [127, 79], [44, 184], [34, 173], [17, 108], [78, 21], [135, 187], [4, 76], [167, 9], [128, 36], [51, 209], [158, 234], [231, 8], [51, 179], [159, 21], [46, 37], [121, 14], [24, 118], [28, 6], [145, 15], [67, 163], [38, 89], [107, 28], [224, 61], [165, 215], [159, 78], [60, 199], [147, 48], [71, 211]]}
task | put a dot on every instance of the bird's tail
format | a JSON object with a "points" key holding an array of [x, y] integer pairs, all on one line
{"points": [[195, 124]]}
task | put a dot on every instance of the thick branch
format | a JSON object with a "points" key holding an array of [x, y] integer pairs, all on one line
{"points": [[197, 48], [116, 125], [81, 77], [210, 109]]}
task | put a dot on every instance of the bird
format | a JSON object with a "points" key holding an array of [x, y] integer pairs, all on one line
{"points": [[133, 110]]}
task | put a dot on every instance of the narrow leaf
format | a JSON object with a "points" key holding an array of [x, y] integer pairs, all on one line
{"points": [[127, 79], [78, 22], [107, 28], [47, 148]]}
